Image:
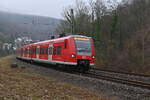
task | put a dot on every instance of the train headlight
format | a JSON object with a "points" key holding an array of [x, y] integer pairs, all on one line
{"points": [[93, 57], [73, 56]]}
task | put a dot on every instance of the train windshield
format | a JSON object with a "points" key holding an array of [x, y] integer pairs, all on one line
{"points": [[83, 47]]}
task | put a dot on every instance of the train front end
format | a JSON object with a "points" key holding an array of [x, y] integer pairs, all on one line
{"points": [[85, 52]]}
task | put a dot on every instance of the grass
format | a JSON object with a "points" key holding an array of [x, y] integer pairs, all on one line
{"points": [[18, 84], [6, 62]]}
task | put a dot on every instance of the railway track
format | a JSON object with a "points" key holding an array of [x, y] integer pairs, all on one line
{"points": [[118, 80], [123, 75], [92, 74], [94, 81], [117, 72]]}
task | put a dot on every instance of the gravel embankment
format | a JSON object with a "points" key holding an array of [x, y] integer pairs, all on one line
{"points": [[124, 76], [16, 83], [123, 92]]}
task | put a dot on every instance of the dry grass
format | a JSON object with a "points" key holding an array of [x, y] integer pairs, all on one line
{"points": [[6, 61], [17, 84]]}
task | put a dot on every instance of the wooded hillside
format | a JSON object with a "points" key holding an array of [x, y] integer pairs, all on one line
{"points": [[14, 25], [17, 25], [121, 32]]}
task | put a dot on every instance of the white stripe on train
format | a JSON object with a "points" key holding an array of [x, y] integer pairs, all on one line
{"points": [[50, 62]]}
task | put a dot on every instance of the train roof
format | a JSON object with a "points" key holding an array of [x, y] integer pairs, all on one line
{"points": [[56, 39]]}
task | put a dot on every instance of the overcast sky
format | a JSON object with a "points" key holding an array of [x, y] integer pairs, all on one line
{"points": [[51, 8]]}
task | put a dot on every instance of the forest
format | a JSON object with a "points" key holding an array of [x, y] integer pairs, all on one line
{"points": [[121, 31]]}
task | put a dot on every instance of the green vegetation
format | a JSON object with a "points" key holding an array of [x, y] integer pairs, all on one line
{"points": [[3, 38], [121, 33]]}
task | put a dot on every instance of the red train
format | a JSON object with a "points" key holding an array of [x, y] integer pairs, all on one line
{"points": [[74, 50]]}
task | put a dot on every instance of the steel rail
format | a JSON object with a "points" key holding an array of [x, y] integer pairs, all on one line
{"points": [[126, 73], [118, 80], [92, 74]]}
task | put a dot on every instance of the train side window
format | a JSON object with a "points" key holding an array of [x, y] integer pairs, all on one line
{"points": [[65, 44], [50, 50], [59, 50], [46, 51], [24, 51], [28, 51], [40, 50], [43, 51], [37, 50], [31, 51], [34, 50], [54, 51], [21, 51]]}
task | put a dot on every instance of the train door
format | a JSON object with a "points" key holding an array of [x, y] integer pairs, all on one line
{"points": [[65, 50], [57, 52], [50, 52], [34, 52], [30, 52]]}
